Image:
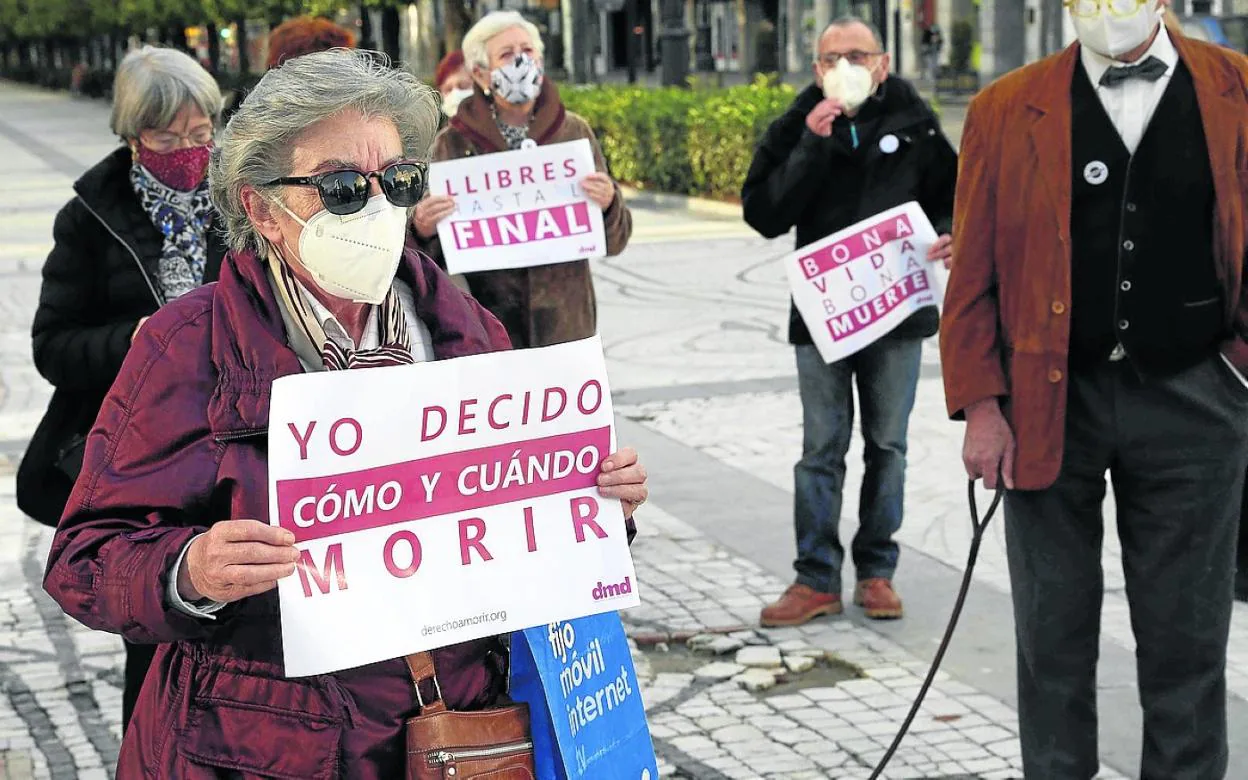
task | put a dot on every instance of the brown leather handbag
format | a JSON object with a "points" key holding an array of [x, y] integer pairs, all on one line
{"points": [[447, 745]]}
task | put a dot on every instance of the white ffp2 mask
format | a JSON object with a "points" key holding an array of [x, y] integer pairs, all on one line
{"points": [[850, 84], [450, 103], [1112, 36], [354, 256]]}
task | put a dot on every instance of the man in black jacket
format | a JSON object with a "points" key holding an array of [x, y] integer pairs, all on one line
{"points": [[856, 143]]}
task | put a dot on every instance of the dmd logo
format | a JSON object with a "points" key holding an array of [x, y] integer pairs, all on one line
{"points": [[603, 592]]}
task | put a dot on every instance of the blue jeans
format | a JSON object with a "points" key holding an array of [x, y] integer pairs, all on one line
{"points": [[887, 375]]}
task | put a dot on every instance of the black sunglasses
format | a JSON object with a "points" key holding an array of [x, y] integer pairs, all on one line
{"points": [[346, 192]]}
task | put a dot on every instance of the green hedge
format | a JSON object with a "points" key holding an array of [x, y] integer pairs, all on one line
{"points": [[695, 141]]}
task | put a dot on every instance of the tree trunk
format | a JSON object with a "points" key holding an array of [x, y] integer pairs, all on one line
{"points": [[366, 29], [214, 47], [240, 40], [176, 34], [458, 21], [390, 25]]}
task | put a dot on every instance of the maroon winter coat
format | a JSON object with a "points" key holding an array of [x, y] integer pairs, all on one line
{"points": [[179, 445]]}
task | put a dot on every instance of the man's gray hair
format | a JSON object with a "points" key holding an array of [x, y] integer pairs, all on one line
{"points": [[153, 84], [492, 24], [842, 22], [255, 147]]}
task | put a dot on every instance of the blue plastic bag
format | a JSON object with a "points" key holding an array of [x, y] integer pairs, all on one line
{"points": [[589, 721]]}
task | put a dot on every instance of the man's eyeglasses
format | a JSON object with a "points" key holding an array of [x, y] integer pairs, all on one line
{"points": [[1090, 9], [346, 192], [855, 57], [165, 141]]}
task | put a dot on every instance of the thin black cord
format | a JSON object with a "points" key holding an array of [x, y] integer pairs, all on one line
{"points": [[977, 537]]}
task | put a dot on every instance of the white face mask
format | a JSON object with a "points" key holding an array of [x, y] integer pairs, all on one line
{"points": [[354, 256], [1112, 36], [850, 84], [450, 103]]}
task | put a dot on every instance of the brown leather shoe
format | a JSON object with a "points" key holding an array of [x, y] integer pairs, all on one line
{"points": [[800, 604], [878, 599]]}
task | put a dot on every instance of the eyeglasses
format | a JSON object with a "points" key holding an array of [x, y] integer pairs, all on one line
{"points": [[855, 57], [1090, 9], [165, 141], [346, 192]]}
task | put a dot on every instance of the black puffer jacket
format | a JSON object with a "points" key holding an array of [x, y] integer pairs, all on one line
{"points": [[98, 282], [822, 185]]}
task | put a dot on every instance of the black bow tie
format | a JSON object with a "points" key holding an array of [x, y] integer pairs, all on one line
{"points": [[1150, 69]]}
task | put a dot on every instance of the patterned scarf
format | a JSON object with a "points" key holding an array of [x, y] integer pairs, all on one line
{"points": [[395, 341], [514, 136], [182, 219]]}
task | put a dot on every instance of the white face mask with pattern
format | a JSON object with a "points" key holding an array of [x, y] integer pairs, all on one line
{"points": [[519, 81]]}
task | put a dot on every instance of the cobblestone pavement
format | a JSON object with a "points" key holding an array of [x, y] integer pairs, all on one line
{"points": [[693, 317]]}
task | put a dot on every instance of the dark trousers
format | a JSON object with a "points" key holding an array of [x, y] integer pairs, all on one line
{"points": [[1241, 559], [138, 659], [1175, 450], [887, 376]]}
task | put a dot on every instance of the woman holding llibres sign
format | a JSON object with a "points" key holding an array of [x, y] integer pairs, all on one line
{"points": [[314, 176], [514, 105]]}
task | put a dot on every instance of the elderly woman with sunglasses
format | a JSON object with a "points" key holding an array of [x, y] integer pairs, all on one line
{"points": [[166, 537], [136, 234], [515, 105]]}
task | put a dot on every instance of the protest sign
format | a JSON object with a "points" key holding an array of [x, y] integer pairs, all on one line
{"points": [[588, 718], [856, 285], [518, 209], [441, 502]]}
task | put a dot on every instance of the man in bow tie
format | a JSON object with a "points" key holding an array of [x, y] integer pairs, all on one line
{"points": [[1095, 324]]}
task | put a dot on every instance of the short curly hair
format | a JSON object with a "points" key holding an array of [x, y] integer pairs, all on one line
{"points": [[306, 35]]}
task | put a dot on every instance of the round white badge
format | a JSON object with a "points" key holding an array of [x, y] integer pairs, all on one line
{"points": [[528, 143], [1095, 172], [889, 144]]}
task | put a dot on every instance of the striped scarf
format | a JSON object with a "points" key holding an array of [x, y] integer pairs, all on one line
{"points": [[395, 342]]}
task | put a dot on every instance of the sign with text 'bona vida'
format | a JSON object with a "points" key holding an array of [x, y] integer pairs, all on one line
{"points": [[856, 285], [442, 502], [518, 209]]}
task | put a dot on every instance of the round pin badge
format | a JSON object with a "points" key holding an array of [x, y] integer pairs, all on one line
{"points": [[528, 143], [1095, 172], [889, 144]]}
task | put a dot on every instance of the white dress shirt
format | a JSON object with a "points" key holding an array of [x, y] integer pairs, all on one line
{"points": [[310, 358], [1131, 104]]}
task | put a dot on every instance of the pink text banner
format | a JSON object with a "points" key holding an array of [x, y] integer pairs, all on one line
{"points": [[519, 208], [442, 502], [858, 284]]}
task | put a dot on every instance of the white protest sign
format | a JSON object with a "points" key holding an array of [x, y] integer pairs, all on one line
{"points": [[518, 209], [858, 284], [442, 502]]}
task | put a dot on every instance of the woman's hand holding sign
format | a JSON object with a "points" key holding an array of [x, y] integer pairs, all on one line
{"points": [[942, 250], [429, 212], [622, 476], [599, 188], [236, 559]]}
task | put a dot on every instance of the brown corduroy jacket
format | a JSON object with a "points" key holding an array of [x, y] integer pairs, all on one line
{"points": [[1005, 328], [547, 304]]}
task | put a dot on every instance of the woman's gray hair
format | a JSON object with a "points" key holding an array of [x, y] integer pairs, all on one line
{"points": [[153, 84], [255, 147], [493, 23]]}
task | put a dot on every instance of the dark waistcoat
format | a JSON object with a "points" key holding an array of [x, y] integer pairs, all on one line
{"points": [[1142, 266]]}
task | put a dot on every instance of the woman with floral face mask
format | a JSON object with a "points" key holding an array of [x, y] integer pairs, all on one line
{"points": [[136, 234], [516, 105]]}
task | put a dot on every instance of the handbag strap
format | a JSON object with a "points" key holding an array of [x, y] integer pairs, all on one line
{"points": [[421, 667]]}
